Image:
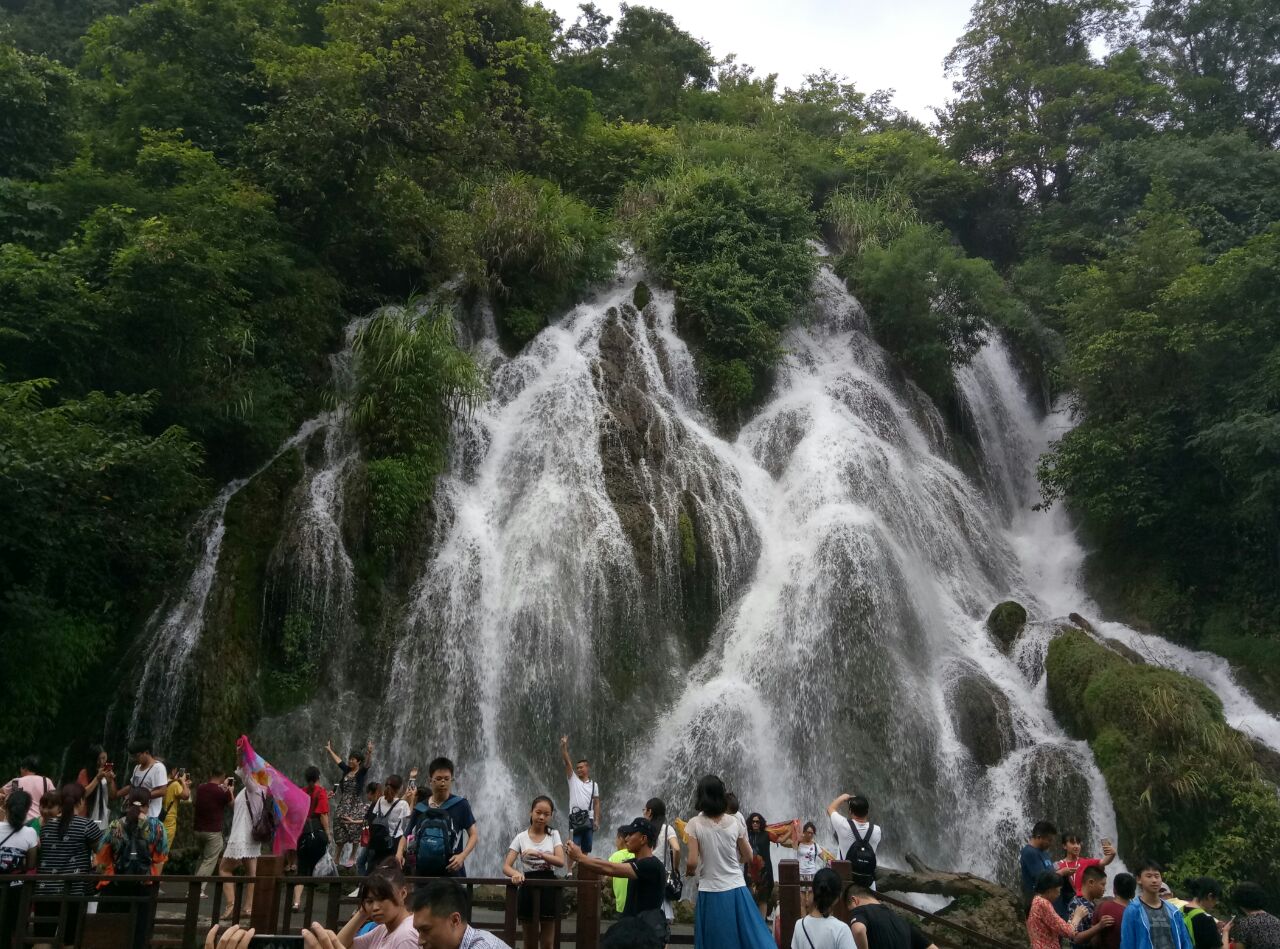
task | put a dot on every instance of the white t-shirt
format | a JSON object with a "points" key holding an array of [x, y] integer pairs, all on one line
{"points": [[15, 845], [522, 842], [396, 815], [843, 828], [581, 794], [719, 866], [826, 933], [151, 778], [809, 857]]}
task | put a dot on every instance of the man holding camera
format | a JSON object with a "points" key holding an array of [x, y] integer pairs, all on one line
{"points": [[211, 802]]}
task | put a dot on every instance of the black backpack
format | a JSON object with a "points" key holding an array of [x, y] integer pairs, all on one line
{"points": [[134, 858], [861, 855], [380, 841]]}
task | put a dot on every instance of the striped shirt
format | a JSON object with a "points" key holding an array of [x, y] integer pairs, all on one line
{"points": [[71, 852]]}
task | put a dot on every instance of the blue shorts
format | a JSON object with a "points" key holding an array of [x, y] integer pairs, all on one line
{"points": [[583, 838]]}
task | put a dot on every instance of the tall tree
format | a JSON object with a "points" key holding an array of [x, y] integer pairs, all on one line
{"points": [[1032, 98], [1223, 59]]}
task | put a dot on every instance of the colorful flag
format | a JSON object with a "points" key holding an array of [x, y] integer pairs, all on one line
{"points": [[289, 801]]}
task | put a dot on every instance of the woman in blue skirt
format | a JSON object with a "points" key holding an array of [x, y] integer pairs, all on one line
{"points": [[726, 915]]}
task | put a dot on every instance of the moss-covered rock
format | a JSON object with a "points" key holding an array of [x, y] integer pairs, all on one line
{"points": [[1185, 785], [983, 720], [641, 295], [1006, 623]]}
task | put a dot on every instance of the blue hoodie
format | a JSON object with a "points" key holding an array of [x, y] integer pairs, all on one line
{"points": [[1135, 928]]}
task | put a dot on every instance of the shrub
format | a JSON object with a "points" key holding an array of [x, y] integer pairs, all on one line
{"points": [[539, 247], [858, 220]]}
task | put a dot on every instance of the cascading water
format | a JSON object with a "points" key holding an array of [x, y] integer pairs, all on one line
{"points": [[800, 609]]}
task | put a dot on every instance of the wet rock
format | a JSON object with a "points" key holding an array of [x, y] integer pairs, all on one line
{"points": [[983, 720], [1131, 654], [1081, 622], [641, 295], [1055, 788], [1006, 623]]}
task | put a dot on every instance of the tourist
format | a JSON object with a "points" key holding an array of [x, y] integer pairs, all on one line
{"points": [[646, 876], [857, 836], [1034, 860], [725, 917], [372, 792], [242, 849], [441, 911], [99, 782], [537, 850], [50, 808], [1123, 889], [351, 804], [620, 854], [68, 842], [149, 773], [1255, 928], [808, 853], [818, 929], [384, 900], [584, 798], [445, 820], [1150, 922], [666, 849], [1072, 868], [760, 868], [875, 926], [18, 846], [1045, 928], [733, 810], [1206, 932], [388, 824], [32, 782], [135, 845], [1092, 885], [178, 789], [212, 798], [313, 843]]}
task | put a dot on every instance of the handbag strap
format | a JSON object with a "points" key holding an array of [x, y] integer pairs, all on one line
{"points": [[804, 929]]}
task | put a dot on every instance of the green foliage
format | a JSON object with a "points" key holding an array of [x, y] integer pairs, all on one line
{"points": [[95, 510], [36, 97], [611, 156], [858, 221], [733, 244], [930, 305], [539, 247], [1184, 784], [412, 381]]}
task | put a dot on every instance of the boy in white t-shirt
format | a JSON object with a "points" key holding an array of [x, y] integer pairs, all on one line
{"points": [[584, 798]]}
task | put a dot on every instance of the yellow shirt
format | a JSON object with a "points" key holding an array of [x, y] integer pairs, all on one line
{"points": [[620, 883], [172, 794]]}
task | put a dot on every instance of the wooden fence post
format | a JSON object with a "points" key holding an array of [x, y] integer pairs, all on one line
{"points": [[844, 870], [588, 908], [266, 894], [789, 898]]}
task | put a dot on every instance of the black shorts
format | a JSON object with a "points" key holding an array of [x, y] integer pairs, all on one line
{"points": [[548, 897], [311, 849]]}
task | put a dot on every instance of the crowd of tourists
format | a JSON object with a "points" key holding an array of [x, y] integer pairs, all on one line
{"points": [[409, 845]]}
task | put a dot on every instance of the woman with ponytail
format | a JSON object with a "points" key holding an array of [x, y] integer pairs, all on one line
{"points": [[819, 930], [67, 844], [18, 846]]}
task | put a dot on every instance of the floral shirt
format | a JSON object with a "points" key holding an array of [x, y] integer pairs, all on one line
{"points": [[149, 830], [1045, 928], [1086, 921]]}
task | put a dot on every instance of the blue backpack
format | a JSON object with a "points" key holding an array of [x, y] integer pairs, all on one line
{"points": [[436, 841]]}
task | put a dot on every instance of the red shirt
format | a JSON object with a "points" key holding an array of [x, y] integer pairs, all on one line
{"points": [[1080, 865], [211, 800], [319, 801], [1109, 938]]}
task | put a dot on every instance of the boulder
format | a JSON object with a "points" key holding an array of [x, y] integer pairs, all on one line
{"points": [[1006, 623], [982, 906], [982, 718]]}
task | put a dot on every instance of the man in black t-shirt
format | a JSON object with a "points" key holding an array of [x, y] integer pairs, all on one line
{"points": [[875, 926], [646, 873]]}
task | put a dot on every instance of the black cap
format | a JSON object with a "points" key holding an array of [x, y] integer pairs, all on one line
{"points": [[639, 826]]}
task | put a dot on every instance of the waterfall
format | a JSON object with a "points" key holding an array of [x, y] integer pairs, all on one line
{"points": [[799, 607]]}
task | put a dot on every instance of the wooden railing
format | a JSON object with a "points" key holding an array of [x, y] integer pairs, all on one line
{"points": [[170, 913]]}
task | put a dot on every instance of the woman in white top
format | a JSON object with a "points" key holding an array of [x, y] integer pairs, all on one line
{"points": [[242, 850], [818, 930], [726, 916], [537, 850], [667, 849], [808, 853], [18, 845]]}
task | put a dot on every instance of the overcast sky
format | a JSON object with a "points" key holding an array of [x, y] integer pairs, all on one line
{"points": [[878, 44]]}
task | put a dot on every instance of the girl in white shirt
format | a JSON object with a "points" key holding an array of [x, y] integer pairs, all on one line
{"points": [[808, 853], [818, 930], [725, 916], [537, 851]]}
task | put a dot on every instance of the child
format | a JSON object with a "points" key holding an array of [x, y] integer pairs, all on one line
{"points": [[372, 791], [538, 850], [1093, 884], [619, 855]]}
